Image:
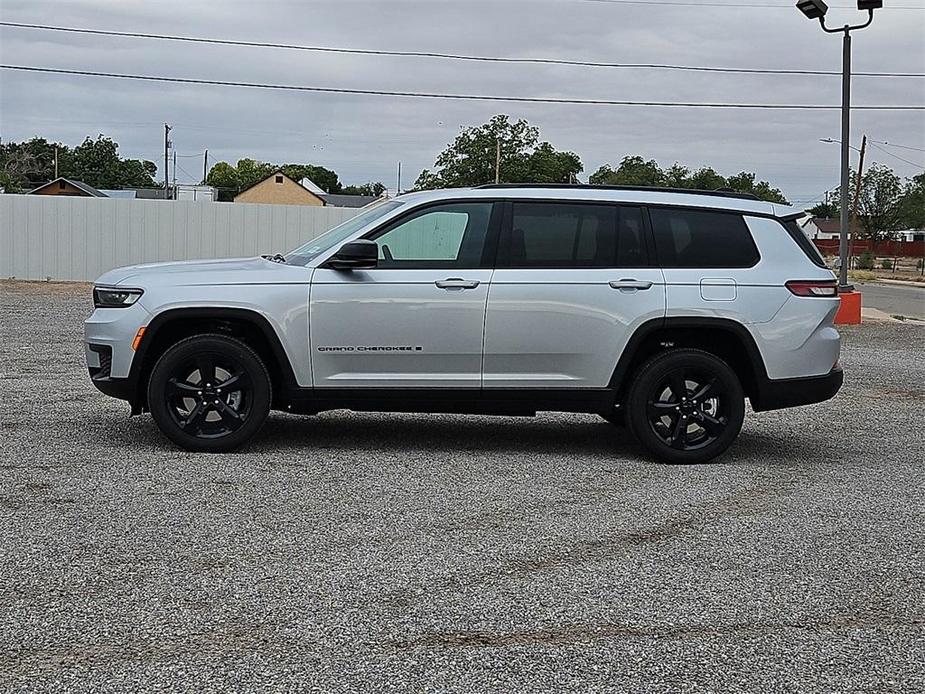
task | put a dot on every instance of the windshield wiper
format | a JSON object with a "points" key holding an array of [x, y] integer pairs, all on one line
{"points": [[276, 257]]}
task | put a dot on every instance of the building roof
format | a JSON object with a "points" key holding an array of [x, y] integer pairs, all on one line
{"points": [[311, 186], [827, 225], [124, 193], [80, 185], [348, 200], [279, 172], [151, 194]]}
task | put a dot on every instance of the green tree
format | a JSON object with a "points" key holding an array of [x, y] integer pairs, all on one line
{"points": [[97, 163], [370, 188], [912, 204], [706, 178], [547, 165], [24, 165], [745, 182], [251, 171], [824, 210], [677, 176], [636, 171], [223, 175], [633, 171], [879, 207], [470, 159]]}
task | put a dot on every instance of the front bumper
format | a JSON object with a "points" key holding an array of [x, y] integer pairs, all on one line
{"points": [[776, 394], [121, 388], [108, 336], [113, 329]]}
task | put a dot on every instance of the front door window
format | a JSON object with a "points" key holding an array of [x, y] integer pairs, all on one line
{"points": [[445, 236]]}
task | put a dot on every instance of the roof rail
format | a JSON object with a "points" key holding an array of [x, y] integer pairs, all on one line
{"points": [[720, 193]]}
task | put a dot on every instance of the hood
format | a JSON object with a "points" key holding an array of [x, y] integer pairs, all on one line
{"points": [[206, 272]]}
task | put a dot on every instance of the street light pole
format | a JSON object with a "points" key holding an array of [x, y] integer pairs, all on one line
{"points": [[816, 9], [845, 164]]}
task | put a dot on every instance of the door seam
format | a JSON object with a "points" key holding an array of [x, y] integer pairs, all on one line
{"points": [[485, 331]]}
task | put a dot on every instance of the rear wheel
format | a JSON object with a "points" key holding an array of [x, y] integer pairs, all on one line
{"points": [[209, 393], [686, 406]]}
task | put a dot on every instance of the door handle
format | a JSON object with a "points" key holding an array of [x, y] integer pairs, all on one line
{"points": [[630, 284], [457, 283]]}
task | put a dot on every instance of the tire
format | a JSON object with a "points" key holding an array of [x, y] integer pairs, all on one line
{"points": [[215, 414], [685, 406]]}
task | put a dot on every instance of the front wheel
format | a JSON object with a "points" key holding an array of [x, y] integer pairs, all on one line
{"points": [[209, 393], [686, 406]]}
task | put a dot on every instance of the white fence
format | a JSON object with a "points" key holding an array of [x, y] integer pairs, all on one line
{"points": [[66, 238]]}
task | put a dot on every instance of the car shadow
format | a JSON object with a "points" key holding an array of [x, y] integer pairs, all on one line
{"points": [[583, 436]]}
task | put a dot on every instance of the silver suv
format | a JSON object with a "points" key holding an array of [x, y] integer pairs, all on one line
{"points": [[659, 308]]}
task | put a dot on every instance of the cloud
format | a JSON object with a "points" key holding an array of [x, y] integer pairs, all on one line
{"points": [[363, 137]]}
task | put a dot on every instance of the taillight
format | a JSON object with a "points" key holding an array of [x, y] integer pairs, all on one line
{"points": [[813, 287]]}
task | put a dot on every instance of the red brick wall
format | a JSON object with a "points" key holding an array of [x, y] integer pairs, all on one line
{"points": [[903, 249]]}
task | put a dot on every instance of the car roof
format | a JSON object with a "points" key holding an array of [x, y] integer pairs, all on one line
{"points": [[644, 196]]}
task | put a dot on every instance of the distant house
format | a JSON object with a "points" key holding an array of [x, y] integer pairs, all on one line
{"points": [[821, 228], [151, 194], [119, 193], [310, 185], [827, 228], [67, 187], [279, 189], [182, 191], [348, 200], [910, 235], [189, 191]]}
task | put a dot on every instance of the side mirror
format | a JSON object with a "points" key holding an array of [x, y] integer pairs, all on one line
{"points": [[356, 255]]}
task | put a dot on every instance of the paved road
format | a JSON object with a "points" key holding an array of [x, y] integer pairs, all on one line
{"points": [[366, 552], [895, 299]]}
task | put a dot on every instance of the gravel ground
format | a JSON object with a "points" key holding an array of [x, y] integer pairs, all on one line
{"points": [[360, 552]]}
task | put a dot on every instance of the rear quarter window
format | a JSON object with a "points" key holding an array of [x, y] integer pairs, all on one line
{"points": [[702, 239], [807, 246]]}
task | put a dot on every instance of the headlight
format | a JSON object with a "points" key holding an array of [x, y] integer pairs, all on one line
{"points": [[115, 297]]}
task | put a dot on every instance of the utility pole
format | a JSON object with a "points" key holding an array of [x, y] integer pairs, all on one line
{"points": [[497, 160], [175, 172], [167, 129], [205, 166], [56, 161], [857, 196], [398, 186]]}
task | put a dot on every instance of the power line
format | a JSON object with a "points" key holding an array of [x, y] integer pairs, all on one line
{"points": [[189, 175], [448, 56], [733, 5], [890, 144], [460, 97], [896, 156]]}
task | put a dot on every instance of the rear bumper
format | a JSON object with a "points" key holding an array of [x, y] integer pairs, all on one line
{"points": [[777, 394]]}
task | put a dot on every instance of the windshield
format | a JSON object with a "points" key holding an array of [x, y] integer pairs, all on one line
{"points": [[336, 236]]}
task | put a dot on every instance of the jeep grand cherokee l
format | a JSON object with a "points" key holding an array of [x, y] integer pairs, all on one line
{"points": [[661, 309]]}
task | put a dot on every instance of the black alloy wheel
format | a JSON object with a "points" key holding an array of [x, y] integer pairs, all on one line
{"points": [[209, 393], [686, 406]]}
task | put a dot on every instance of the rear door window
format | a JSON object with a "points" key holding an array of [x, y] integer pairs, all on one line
{"points": [[573, 235], [702, 239]]}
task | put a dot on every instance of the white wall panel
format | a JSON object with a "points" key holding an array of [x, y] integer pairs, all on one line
{"points": [[64, 238]]}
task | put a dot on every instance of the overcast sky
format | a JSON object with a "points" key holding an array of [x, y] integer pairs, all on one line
{"points": [[363, 137]]}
